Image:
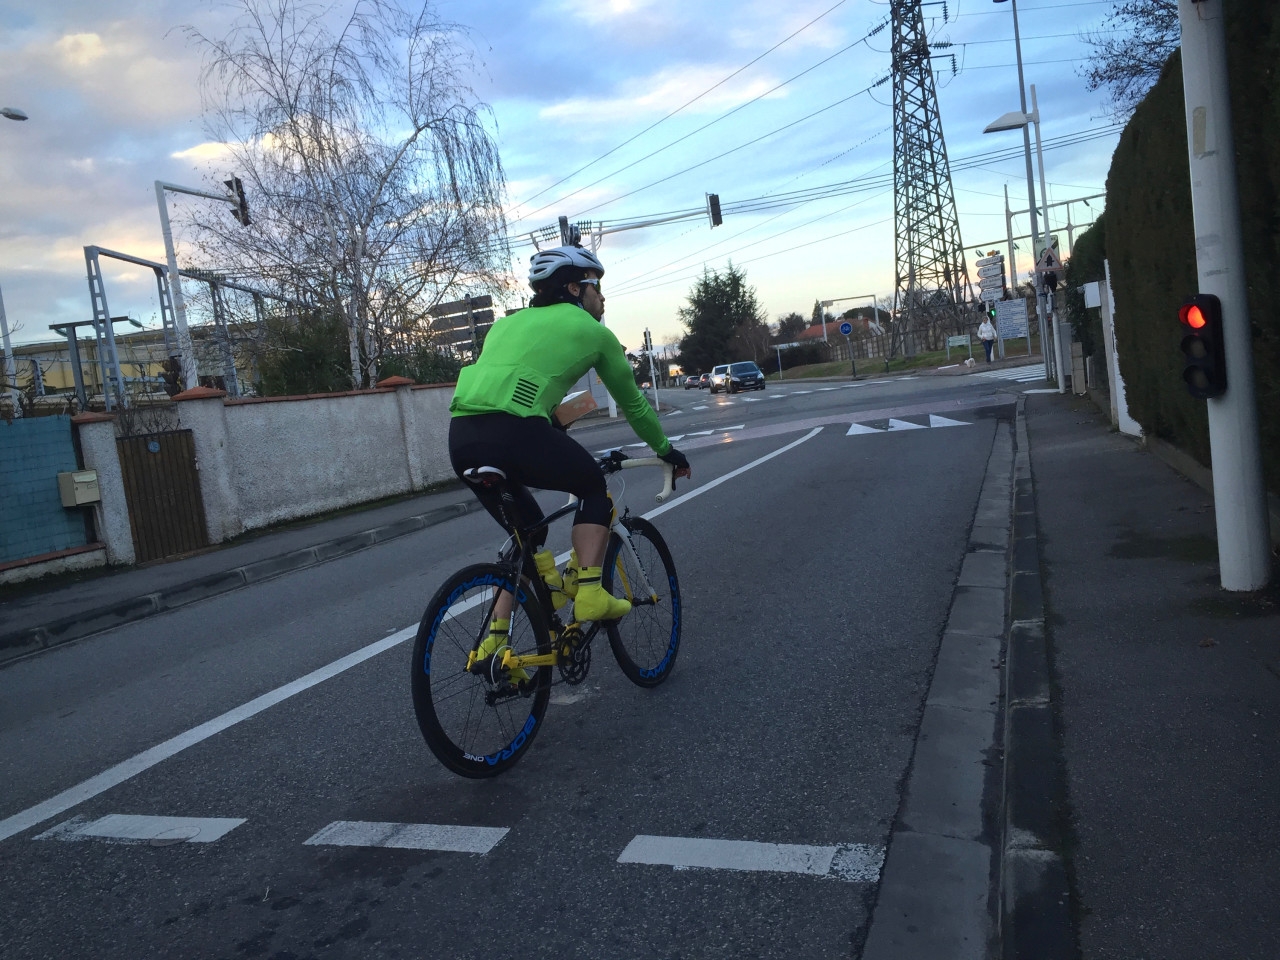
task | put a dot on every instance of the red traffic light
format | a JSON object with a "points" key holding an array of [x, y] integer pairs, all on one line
{"points": [[1192, 316], [1203, 346]]}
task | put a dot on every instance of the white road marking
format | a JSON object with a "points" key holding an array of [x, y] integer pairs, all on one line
{"points": [[752, 399], [1023, 374], [857, 862], [800, 393], [905, 425], [700, 433], [702, 407], [1043, 390], [731, 474], [128, 828], [937, 421], [825, 389], [679, 436], [127, 769], [409, 836], [858, 428], [778, 396], [675, 413]]}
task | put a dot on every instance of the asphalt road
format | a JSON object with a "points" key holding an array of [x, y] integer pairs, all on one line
{"points": [[816, 581]]}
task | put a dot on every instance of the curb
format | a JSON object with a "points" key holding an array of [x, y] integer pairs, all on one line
{"points": [[936, 897], [32, 640], [1035, 893]]}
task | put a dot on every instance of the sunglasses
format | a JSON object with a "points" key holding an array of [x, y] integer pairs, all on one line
{"points": [[594, 283]]}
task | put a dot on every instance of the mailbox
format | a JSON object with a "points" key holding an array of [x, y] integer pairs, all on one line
{"points": [[78, 487]]}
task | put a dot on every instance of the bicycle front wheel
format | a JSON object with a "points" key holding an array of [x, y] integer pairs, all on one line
{"points": [[645, 641], [474, 726]]}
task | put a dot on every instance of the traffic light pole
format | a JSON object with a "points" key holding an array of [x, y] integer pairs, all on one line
{"points": [[1240, 505]]}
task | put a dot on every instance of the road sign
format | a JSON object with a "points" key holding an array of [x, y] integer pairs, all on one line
{"points": [[846, 328], [997, 258], [460, 306], [1048, 261], [991, 270], [1011, 318], [992, 283], [990, 296]]}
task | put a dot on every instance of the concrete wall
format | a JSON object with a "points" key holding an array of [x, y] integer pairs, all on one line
{"points": [[262, 461]]}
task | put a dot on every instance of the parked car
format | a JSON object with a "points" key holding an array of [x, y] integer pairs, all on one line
{"points": [[704, 381], [719, 377], [691, 382]]}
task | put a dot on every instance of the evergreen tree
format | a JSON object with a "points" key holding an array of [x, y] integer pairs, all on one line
{"points": [[724, 320]]}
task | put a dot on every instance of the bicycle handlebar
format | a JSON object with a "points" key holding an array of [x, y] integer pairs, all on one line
{"points": [[620, 461]]}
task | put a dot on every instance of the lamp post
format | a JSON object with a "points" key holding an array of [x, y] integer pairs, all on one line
{"points": [[1011, 121], [1031, 190], [10, 371]]}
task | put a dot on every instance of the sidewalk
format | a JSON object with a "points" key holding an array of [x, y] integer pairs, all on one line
{"points": [[1165, 692]]}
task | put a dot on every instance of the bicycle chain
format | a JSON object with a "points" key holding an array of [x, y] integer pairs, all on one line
{"points": [[575, 655]]}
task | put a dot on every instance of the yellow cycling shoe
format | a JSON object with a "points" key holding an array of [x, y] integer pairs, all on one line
{"points": [[497, 639], [593, 602], [546, 564]]}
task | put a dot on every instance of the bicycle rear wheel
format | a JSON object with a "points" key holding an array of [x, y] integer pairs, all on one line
{"points": [[475, 727], [645, 641]]}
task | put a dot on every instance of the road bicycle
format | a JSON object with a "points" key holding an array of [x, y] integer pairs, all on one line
{"points": [[474, 717]]}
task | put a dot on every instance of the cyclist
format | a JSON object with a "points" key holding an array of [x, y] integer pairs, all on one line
{"points": [[502, 416]]}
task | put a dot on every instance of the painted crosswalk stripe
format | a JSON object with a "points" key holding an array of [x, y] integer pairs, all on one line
{"points": [[409, 836], [856, 862], [131, 828]]}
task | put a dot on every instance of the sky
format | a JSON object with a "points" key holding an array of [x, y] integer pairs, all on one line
{"points": [[585, 100]]}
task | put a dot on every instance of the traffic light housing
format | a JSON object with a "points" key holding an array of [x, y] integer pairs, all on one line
{"points": [[239, 205], [713, 209], [1203, 346]]}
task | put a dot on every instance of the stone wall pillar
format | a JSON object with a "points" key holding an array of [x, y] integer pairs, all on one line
{"points": [[202, 411], [96, 433]]}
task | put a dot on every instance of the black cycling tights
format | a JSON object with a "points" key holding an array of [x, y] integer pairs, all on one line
{"points": [[532, 453]]}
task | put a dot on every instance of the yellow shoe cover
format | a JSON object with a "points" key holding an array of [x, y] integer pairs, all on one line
{"points": [[593, 603]]}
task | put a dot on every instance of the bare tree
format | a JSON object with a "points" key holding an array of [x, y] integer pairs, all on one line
{"points": [[1131, 49], [375, 183]]}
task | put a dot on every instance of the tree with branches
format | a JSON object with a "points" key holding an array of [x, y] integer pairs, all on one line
{"points": [[1136, 39], [375, 182], [725, 321]]}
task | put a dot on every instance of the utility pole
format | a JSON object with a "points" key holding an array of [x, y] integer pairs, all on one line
{"points": [[1239, 497]]}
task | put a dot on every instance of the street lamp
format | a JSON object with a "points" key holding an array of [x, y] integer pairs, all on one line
{"points": [[1031, 190], [10, 371], [1012, 121]]}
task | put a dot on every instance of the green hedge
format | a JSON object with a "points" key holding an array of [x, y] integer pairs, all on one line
{"points": [[1150, 243]]}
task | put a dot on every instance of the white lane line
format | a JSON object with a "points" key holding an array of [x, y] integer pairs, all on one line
{"points": [[801, 393], [702, 407], [147, 759], [905, 425], [825, 389], [752, 399], [778, 396], [700, 433], [130, 828], [141, 762], [937, 421], [731, 474], [856, 862], [409, 836], [1043, 390], [675, 413]]}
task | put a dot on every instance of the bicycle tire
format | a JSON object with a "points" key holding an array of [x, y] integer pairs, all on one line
{"points": [[644, 642], [472, 737]]}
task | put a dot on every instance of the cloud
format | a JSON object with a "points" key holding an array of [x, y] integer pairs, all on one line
{"points": [[660, 92]]}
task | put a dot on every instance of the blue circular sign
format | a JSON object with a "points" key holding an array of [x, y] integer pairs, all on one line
{"points": [[846, 328]]}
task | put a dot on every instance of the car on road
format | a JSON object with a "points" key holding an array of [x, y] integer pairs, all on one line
{"points": [[732, 377], [704, 381], [691, 382], [744, 375]]}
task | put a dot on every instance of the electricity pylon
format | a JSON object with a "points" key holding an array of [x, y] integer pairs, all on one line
{"points": [[932, 282]]}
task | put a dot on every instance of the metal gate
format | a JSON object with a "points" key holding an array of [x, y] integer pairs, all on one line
{"points": [[162, 489]]}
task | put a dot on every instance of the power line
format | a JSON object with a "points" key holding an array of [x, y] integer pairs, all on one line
{"points": [[692, 133], [681, 107]]}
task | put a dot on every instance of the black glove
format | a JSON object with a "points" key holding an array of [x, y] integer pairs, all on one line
{"points": [[676, 459]]}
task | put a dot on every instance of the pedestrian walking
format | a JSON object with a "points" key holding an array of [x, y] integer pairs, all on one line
{"points": [[987, 334]]}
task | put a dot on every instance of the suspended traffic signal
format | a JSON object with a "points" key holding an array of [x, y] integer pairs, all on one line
{"points": [[239, 205], [713, 209], [1202, 345]]}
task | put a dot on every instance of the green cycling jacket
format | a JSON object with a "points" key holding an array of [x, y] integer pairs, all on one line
{"points": [[531, 359]]}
